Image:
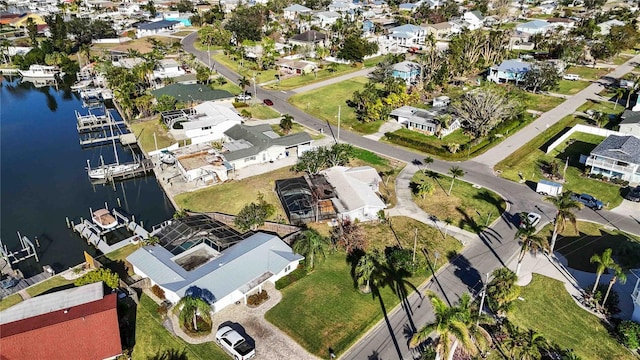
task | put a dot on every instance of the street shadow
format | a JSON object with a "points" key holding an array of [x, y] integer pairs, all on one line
{"points": [[495, 200], [352, 259], [469, 275], [486, 234], [531, 184], [578, 249], [376, 294], [240, 329], [171, 354], [434, 277]]}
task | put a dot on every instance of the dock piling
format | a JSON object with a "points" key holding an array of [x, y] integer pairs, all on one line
{"points": [[119, 204], [68, 223]]}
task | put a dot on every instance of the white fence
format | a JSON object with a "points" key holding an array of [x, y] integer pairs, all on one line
{"points": [[111, 41], [583, 129]]}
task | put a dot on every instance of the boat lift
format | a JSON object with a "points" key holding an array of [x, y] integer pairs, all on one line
{"points": [[27, 250]]}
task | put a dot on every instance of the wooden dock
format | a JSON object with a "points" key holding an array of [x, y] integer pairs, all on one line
{"points": [[91, 122], [96, 236]]}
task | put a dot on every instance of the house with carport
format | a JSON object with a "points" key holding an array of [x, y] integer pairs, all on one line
{"points": [[356, 192]]}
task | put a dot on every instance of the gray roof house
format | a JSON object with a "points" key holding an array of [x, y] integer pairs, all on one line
{"points": [[630, 124], [535, 27], [259, 144], [508, 70], [292, 11], [408, 71], [425, 121], [356, 192], [156, 27], [617, 157], [309, 38], [229, 275]]}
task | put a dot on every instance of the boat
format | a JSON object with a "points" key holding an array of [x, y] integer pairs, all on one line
{"points": [[40, 71], [166, 157], [112, 170], [104, 219], [81, 84]]}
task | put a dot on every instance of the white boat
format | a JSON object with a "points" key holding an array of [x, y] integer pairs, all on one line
{"points": [[81, 84], [104, 219], [111, 170], [40, 71], [167, 158]]}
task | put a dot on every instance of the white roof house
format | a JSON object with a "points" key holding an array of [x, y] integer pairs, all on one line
{"points": [[229, 275], [356, 190], [535, 27], [293, 10], [210, 122], [474, 19], [168, 68], [408, 35], [605, 27]]}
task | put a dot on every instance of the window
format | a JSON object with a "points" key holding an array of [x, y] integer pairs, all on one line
{"points": [[206, 128], [287, 268], [249, 159]]}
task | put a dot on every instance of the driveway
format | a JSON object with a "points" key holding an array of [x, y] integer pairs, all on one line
{"points": [[271, 343]]}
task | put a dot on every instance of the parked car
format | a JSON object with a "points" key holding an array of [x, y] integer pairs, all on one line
{"points": [[588, 201], [267, 102], [634, 194], [572, 77], [234, 343], [243, 97], [533, 219], [9, 283]]}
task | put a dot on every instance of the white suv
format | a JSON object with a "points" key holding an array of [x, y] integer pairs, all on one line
{"points": [[235, 344], [571, 77]]}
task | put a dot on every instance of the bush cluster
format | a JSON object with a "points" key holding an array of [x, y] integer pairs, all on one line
{"points": [[257, 298], [294, 276], [629, 332], [109, 278], [616, 181], [157, 291]]}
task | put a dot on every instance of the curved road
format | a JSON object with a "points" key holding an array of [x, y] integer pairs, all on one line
{"points": [[493, 248]]}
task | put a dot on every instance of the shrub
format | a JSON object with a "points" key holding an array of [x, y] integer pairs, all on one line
{"points": [[292, 277], [238, 105], [109, 278], [157, 291], [611, 306], [257, 298], [629, 332], [163, 309]]}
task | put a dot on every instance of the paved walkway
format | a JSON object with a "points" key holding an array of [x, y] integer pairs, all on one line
{"points": [[387, 126], [337, 79], [515, 141]]}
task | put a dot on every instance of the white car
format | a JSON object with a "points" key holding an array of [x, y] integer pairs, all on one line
{"points": [[532, 219], [234, 343], [572, 77], [243, 97]]}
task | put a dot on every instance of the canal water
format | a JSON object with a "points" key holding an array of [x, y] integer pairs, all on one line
{"points": [[43, 176]]}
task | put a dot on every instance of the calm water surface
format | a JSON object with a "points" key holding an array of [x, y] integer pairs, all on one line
{"points": [[43, 177]]}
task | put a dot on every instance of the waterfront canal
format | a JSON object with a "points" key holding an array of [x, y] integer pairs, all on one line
{"points": [[43, 177]]}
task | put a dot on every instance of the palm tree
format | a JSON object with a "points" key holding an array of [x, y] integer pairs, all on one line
{"points": [[427, 161], [604, 262], [566, 206], [502, 290], [619, 275], [636, 82], [370, 270], [618, 95], [4, 47], [455, 172], [448, 325], [286, 123], [570, 355], [529, 345], [311, 245], [191, 308], [424, 189], [243, 83], [530, 241]]}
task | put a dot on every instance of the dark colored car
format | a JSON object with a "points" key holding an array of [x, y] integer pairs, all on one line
{"points": [[9, 283], [588, 201], [634, 194], [267, 102]]}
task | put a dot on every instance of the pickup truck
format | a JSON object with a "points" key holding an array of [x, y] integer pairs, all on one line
{"points": [[588, 201], [235, 344]]}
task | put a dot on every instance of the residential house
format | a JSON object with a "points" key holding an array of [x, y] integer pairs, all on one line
{"points": [[546, 9], [411, 7], [291, 12], [474, 20], [605, 27], [344, 7], [128, 9], [197, 252], [508, 70], [156, 27], [408, 71], [200, 163], [408, 35], [356, 191], [617, 157], [21, 21], [168, 68], [298, 67], [309, 38], [428, 122], [78, 323], [441, 30], [325, 19], [535, 27], [564, 23], [252, 145], [205, 122], [630, 124], [368, 26]]}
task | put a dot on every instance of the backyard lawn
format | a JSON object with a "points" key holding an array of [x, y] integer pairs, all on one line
{"points": [[9, 301], [153, 341], [312, 314], [527, 159], [587, 73], [591, 238], [569, 87], [468, 207], [51, 283], [315, 102], [540, 102], [548, 309], [144, 131]]}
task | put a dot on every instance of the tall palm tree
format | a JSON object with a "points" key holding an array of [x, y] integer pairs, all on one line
{"points": [[286, 123], [311, 245], [604, 262], [191, 308], [243, 83], [619, 275], [448, 325], [530, 241], [455, 172], [566, 207], [427, 161], [636, 82], [502, 290], [618, 95], [370, 270]]}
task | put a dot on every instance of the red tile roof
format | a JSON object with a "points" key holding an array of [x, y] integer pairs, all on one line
{"points": [[88, 331]]}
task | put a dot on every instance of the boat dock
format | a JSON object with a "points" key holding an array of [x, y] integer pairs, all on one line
{"points": [[91, 122], [15, 279], [146, 166], [98, 237]]}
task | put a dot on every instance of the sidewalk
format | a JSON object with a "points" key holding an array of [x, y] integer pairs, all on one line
{"points": [[363, 72]]}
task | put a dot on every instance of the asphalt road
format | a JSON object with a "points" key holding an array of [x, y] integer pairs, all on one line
{"points": [[493, 248]]}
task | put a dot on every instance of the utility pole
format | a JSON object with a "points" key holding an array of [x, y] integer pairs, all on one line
{"points": [[209, 53], [415, 243], [255, 94], [339, 107], [484, 293]]}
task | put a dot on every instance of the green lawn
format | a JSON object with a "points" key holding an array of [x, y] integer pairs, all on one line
{"points": [[578, 247], [261, 112], [154, 341], [313, 314], [587, 73], [569, 87], [9, 301], [122, 253], [231, 197], [458, 137], [245, 69], [541, 102], [468, 207], [526, 160], [315, 103], [229, 86], [603, 106], [548, 309], [45, 286], [144, 131]]}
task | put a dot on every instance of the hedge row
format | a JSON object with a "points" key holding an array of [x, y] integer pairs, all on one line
{"points": [[294, 276]]}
